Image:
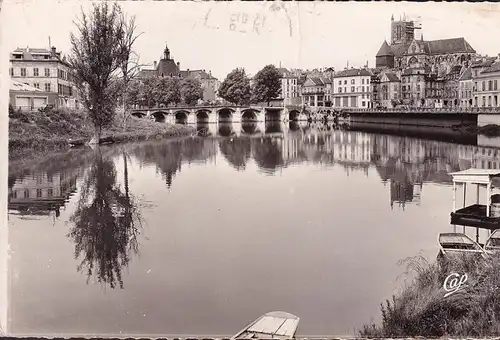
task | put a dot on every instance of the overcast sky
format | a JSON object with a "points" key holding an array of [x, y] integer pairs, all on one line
{"points": [[299, 35]]}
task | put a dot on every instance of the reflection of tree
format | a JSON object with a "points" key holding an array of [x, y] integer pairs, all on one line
{"points": [[237, 151], [267, 153], [105, 224], [168, 156]]}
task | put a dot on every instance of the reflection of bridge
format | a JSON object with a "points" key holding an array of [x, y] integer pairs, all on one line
{"points": [[220, 113]]}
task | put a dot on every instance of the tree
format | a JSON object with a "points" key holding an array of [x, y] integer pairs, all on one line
{"points": [[150, 93], [191, 91], [169, 91], [97, 57], [133, 93], [130, 66], [236, 87], [267, 85]]}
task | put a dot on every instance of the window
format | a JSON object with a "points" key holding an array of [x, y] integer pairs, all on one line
{"points": [[353, 81], [363, 103], [340, 90], [38, 193], [26, 193], [362, 89], [495, 85], [484, 87], [475, 86], [363, 96], [12, 72], [47, 72], [47, 87], [352, 88], [340, 82], [490, 85], [49, 192], [23, 72], [35, 72], [345, 82], [418, 87], [37, 85], [363, 81]]}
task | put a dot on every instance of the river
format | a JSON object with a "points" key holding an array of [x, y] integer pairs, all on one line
{"points": [[201, 235]]}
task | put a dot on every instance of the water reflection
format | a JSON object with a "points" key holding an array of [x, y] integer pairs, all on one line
{"points": [[237, 151], [105, 223], [185, 263]]}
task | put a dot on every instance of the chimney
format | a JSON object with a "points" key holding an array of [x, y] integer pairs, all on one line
{"points": [[53, 49], [179, 65], [155, 64]]}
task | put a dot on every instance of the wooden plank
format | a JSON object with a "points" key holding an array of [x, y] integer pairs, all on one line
{"points": [[288, 328], [267, 325]]}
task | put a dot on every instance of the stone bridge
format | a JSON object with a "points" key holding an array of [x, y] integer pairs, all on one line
{"points": [[221, 114]]}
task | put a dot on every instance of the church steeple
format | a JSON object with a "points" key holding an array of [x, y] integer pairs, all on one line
{"points": [[166, 53]]}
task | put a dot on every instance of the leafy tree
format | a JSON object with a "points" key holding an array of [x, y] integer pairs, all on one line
{"points": [[150, 93], [191, 91], [236, 87], [168, 91], [267, 85], [97, 57], [133, 93]]}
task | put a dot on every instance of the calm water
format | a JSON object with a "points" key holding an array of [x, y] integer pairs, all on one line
{"points": [[200, 236]]}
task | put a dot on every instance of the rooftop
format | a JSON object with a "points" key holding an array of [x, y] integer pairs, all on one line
{"points": [[353, 72]]}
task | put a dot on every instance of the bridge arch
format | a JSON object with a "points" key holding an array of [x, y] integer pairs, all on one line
{"points": [[159, 116], [202, 116], [181, 117], [293, 115], [225, 114], [249, 115]]}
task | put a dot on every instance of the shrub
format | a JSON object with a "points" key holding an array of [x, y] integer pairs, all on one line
{"points": [[421, 309]]}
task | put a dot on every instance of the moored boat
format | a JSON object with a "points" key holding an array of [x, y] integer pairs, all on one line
{"points": [[459, 243], [272, 325], [492, 245]]}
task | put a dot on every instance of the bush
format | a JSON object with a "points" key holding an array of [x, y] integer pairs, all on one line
{"points": [[490, 130], [422, 310]]}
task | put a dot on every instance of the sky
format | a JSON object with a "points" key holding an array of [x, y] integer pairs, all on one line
{"points": [[306, 35]]}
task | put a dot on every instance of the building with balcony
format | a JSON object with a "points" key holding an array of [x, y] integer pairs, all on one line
{"points": [[351, 88], [313, 91], [413, 86], [46, 70]]}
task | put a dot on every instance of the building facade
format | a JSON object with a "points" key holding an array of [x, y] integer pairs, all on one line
{"points": [[290, 92], [351, 88], [465, 88], [389, 89], [45, 70], [488, 86], [313, 91]]}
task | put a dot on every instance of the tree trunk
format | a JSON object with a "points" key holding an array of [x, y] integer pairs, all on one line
{"points": [[97, 136]]}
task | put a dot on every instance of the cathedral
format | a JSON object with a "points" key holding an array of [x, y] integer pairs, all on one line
{"points": [[407, 51]]}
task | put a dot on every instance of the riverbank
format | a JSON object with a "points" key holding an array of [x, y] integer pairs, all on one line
{"points": [[421, 308], [490, 130], [36, 134]]}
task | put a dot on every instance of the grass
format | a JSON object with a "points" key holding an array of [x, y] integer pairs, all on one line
{"points": [[46, 132], [420, 308]]}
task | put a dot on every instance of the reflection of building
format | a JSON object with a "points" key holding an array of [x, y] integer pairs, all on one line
{"points": [[45, 70], [41, 193]]}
